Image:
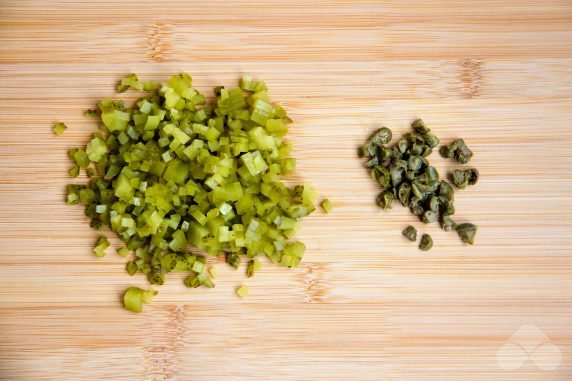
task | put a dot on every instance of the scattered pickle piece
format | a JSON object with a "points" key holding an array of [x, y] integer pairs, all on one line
{"points": [[327, 206], [135, 297], [253, 265], [242, 291], [100, 245], [59, 128]]}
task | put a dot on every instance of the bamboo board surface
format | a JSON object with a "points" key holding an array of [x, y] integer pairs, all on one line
{"points": [[365, 304]]}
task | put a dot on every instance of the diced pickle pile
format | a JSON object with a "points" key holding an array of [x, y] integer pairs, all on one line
{"points": [[173, 171]]}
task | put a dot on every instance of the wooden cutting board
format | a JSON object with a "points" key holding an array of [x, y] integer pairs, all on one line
{"points": [[366, 304]]}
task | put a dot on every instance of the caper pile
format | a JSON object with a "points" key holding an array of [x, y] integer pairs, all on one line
{"points": [[405, 175]]}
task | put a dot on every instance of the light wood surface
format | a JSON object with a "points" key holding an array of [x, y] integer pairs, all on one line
{"points": [[366, 304]]}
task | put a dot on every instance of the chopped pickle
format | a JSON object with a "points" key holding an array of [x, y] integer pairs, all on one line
{"points": [[242, 291], [59, 128], [134, 298], [172, 172], [327, 206], [100, 246]]}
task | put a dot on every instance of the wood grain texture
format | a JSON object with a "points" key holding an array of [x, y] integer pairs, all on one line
{"points": [[366, 304]]}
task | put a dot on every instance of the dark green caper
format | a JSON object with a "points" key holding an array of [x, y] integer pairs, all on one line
{"points": [[458, 151], [419, 126], [415, 138], [463, 154], [426, 242], [460, 178], [404, 173], [384, 200], [446, 152], [448, 207], [385, 153], [415, 163], [415, 208], [467, 232], [399, 163], [430, 216], [410, 175], [433, 186], [410, 233], [371, 162], [431, 140], [396, 177], [427, 151], [463, 178], [447, 223], [377, 139], [383, 136], [418, 189], [473, 175], [432, 174], [417, 149], [404, 193], [434, 203], [402, 145], [446, 190], [381, 175]]}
